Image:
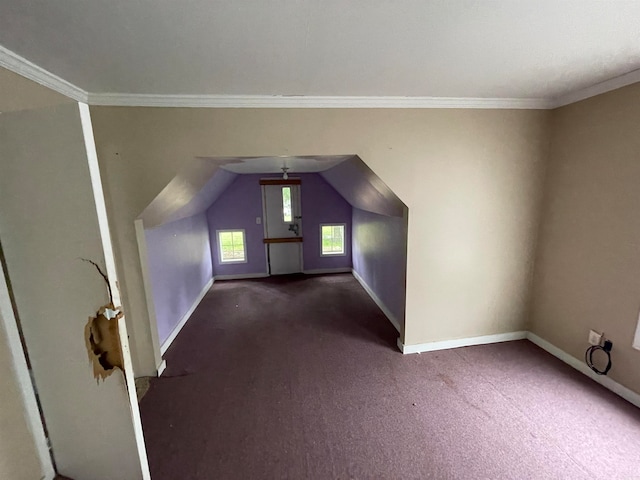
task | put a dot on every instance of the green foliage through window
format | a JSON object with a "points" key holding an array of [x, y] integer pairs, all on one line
{"points": [[332, 239], [286, 205], [232, 248]]}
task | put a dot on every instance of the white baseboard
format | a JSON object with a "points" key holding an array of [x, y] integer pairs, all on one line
{"points": [[461, 342], [629, 395], [241, 276], [162, 367], [167, 343], [320, 271], [394, 321]]}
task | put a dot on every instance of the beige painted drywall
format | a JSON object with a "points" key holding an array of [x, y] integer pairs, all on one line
{"points": [[471, 180], [48, 222], [588, 263], [19, 93], [18, 454]]}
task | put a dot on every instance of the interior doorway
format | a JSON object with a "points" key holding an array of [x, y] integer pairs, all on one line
{"points": [[282, 213], [244, 219]]}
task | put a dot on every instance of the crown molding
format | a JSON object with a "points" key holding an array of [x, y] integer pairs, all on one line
{"points": [[597, 89], [17, 64], [20, 65], [294, 101]]}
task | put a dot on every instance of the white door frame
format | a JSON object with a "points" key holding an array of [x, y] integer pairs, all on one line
{"points": [[296, 213], [19, 366]]}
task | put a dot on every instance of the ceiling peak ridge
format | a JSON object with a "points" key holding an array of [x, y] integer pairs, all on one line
{"points": [[20, 65]]}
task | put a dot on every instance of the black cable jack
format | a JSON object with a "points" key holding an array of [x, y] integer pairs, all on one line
{"points": [[606, 348]]}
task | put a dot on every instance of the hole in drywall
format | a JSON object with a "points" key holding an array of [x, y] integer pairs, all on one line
{"points": [[103, 342], [102, 335]]}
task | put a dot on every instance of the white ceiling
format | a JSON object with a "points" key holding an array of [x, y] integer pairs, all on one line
{"points": [[304, 164], [453, 48]]}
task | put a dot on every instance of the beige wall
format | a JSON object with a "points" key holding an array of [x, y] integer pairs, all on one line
{"points": [[48, 222], [18, 93], [588, 264], [471, 179], [18, 455]]}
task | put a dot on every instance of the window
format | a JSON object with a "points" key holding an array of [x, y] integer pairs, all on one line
{"points": [[332, 239], [287, 215], [231, 246]]}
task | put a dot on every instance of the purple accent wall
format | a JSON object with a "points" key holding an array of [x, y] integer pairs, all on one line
{"points": [[237, 208], [322, 204], [179, 258], [380, 257], [241, 203]]}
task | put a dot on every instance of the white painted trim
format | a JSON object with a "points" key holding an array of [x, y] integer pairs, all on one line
{"points": [[241, 276], [174, 333], [8, 323], [162, 367], [20, 65], [299, 101], [461, 342], [109, 259], [320, 271], [597, 89], [98, 196], [610, 384], [394, 321]]}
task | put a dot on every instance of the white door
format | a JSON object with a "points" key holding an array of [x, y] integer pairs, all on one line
{"points": [[282, 226]]}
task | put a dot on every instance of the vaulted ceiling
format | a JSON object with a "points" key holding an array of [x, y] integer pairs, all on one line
{"points": [[453, 48]]}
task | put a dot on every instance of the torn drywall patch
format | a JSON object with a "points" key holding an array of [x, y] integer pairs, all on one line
{"points": [[102, 337], [103, 341]]}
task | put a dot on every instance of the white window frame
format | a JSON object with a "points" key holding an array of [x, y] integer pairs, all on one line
{"points": [[219, 242], [344, 240]]}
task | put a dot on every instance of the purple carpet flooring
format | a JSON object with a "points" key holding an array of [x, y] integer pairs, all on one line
{"points": [[299, 377]]}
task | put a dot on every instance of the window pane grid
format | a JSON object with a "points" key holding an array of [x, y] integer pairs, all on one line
{"points": [[332, 237], [232, 248]]}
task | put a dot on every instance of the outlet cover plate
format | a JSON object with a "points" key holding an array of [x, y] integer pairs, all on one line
{"points": [[594, 337]]}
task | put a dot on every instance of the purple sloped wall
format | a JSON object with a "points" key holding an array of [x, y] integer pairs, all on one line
{"points": [[380, 258], [179, 259], [363, 189]]}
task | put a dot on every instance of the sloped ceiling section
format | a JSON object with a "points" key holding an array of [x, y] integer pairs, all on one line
{"points": [[192, 191], [202, 182], [363, 189]]}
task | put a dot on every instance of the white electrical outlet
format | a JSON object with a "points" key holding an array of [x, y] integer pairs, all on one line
{"points": [[594, 337], [258, 220]]}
